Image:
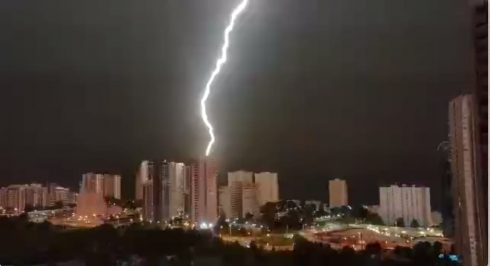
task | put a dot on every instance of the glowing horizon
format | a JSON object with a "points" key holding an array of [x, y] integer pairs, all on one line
{"points": [[219, 63]]}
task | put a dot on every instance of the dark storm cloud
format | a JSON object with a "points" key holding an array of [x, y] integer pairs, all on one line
{"points": [[313, 89]]}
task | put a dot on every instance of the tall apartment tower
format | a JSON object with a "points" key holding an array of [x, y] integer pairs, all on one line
{"points": [[236, 181], [112, 186], [224, 201], [337, 189], [267, 187], [468, 186], [204, 191], [176, 179], [141, 179], [249, 200]]}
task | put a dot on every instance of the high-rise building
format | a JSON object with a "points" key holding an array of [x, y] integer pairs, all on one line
{"points": [[16, 198], [148, 211], [112, 186], [3, 197], [163, 189], [337, 192], [407, 202], [92, 182], [249, 200], [106, 184], [141, 180], [204, 196], [176, 180], [479, 253], [187, 189], [236, 181], [36, 195], [224, 201], [468, 191], [267, 187]]}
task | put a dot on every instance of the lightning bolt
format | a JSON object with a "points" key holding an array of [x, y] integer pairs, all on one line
{"points": [[219, 63]]}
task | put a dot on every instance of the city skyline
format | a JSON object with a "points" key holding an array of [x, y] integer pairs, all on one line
{"points": [[106, 103]]}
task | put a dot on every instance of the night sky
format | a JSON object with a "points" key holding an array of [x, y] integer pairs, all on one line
{"points": [[314, 89]]}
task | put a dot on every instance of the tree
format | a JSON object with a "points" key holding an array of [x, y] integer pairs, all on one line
{"points": [[374, 218], [248, 216], [268, 212], [400, 222], [414, 223]]}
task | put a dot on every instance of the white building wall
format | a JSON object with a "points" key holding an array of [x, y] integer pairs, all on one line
{"points": [[267, 187], [408, 202]]}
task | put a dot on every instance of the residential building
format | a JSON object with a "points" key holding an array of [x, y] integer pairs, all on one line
{"points": [[112, 186], [236, 181], [468, 186], [267, 187], [141, 179], [407, 202], [337, 189], [224, 201], [204, 191], [176, 180], [249, 200]]}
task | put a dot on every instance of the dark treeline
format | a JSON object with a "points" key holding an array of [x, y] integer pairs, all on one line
{"points": [[24, 243]]}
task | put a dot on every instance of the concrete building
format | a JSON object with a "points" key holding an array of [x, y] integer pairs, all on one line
{"points": [[204, 191], [36, 196], [63, 195], [141, 180], [16, 198], [407, 202], [148, 210], [92, 182], [90, 203], [176, 180], [337, 193], [236, 181], [249, 200], [106, 184], [469, 198], [112, 186], [224, 201], [267, 187], [187, 190], [3, 197]]}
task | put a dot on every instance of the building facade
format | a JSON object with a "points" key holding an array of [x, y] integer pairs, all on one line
{"points": [[337, 193], [407, 202], [469, 199], [250, 203], [112, 186], [236, 181], [224, 201], [204, 191], [267, 185]]}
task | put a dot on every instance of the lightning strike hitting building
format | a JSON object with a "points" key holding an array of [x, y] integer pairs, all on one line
{"points": [[219, 63]]}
